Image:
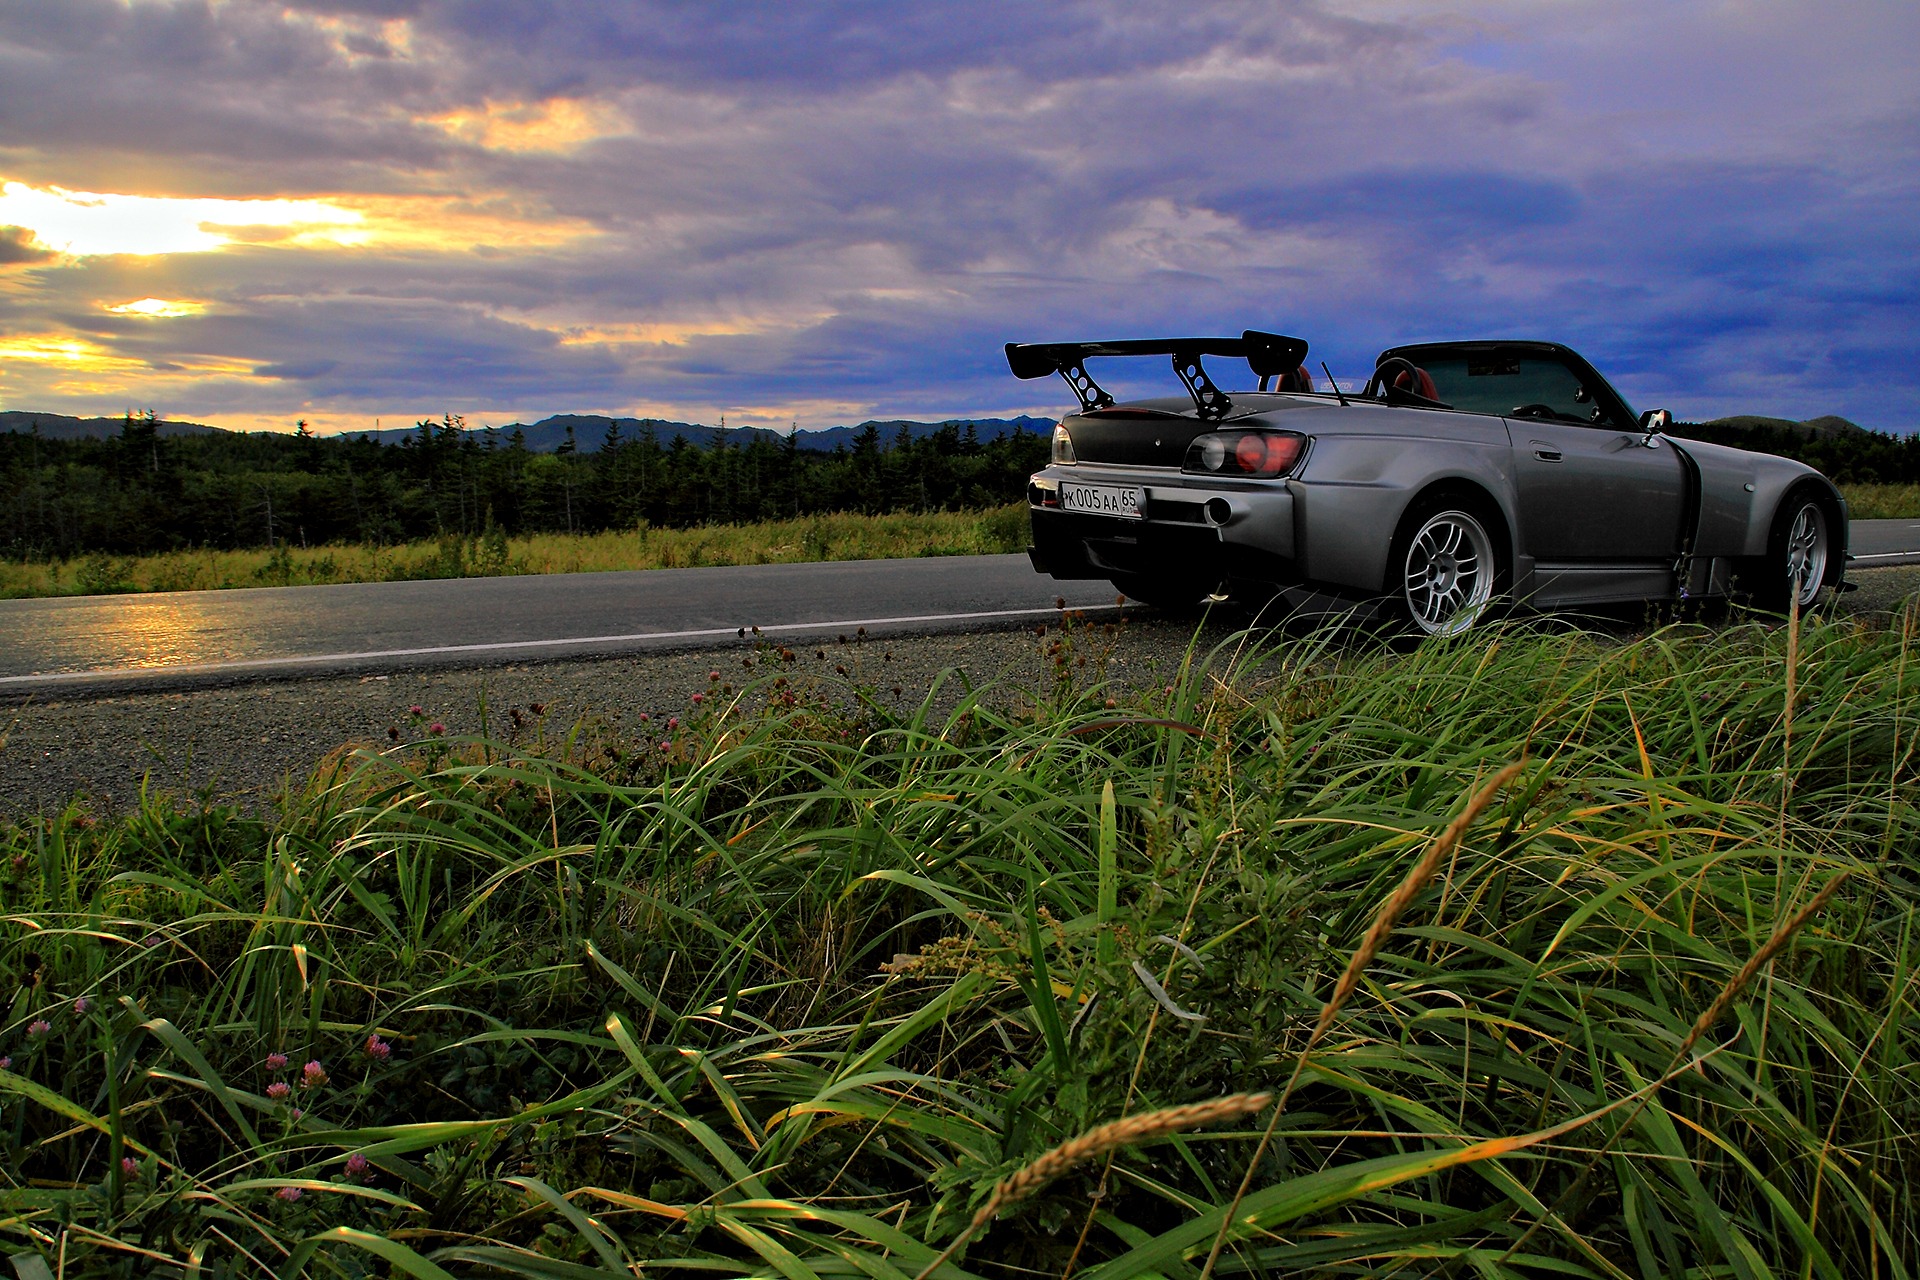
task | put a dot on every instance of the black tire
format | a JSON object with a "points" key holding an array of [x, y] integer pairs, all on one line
{"points": [[1448, 563], [1801, 546], [1162, 591]]}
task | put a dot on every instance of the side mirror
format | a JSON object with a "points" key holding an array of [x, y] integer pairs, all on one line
{"points": [[1654, 422]]}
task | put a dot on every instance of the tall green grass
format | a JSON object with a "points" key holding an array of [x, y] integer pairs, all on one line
{"points": [[1882, 501], [791, 986], [839, 536]]}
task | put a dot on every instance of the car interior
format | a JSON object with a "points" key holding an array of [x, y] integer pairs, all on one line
{"points": [[1511, 385]]}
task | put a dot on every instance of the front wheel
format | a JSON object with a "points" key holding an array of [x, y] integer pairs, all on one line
{"points": [[1445, 568], [1800, 553]]}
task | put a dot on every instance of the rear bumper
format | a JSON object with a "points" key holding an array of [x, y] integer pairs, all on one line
{"points": [[1187, 531]]}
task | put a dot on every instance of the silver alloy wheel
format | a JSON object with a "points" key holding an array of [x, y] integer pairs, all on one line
{"points": [[1806, 565], [1448, 574]]}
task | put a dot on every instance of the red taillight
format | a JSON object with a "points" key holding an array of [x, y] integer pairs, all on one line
{"points": [[1261, 455], [1282, 452]]}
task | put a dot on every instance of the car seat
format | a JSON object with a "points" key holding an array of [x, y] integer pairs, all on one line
{"points": [[1421, 386], [1298, 380]]}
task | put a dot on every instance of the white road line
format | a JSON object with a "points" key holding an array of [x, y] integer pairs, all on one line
{"points": [[1885, 555], [708, 633]]}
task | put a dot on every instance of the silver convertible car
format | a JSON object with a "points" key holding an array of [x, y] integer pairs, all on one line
{"points": [[1463, 475]]}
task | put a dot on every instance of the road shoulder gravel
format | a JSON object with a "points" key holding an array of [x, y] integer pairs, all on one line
{"points": [[243, 743]]}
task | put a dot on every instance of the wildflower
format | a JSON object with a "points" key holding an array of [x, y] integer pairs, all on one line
{"points": [[295, 1113], [39, 1027], [279, 1090], [356, 1165], [6, 1064], [713, 676], [276, 1061], [699, 698], [312, 1074], [289, 1194], [666, 746], [436, 727], [415, 710], [82, 1004], [130, 1166], [378, 1048], [644, 717]]}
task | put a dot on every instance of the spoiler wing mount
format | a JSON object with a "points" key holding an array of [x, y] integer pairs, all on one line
{"points": [[1267, 354]]}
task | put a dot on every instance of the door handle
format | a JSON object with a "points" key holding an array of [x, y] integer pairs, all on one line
{"points": [[1545, 452]]}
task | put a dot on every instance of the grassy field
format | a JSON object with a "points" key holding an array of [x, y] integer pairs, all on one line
{"points": [[835, 537], [831, 537], [1882, 501], [1531, 953]]}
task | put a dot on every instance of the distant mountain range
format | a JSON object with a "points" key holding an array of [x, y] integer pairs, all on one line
{"points": [[589, 430], [58, 426], [1812, 428]]}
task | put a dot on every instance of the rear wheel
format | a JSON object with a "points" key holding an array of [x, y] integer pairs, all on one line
{"points": [[1446, 565]]}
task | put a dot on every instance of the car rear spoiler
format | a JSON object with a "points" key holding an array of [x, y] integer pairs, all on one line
{"points": [[1267, 354]]}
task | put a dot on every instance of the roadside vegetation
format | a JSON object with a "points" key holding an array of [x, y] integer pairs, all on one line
{"points": [[1530, 953], [1882, 501], [141, 493], [492, 553]]}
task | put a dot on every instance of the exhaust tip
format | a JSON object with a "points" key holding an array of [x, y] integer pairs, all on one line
{"points": [[1218, 511]]}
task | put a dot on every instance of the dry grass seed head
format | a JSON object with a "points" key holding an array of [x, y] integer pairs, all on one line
{"points": [[1400, 898], [1112, 1136]]}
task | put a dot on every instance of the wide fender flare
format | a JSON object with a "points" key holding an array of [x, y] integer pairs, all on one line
{"points": [[1350, 498], [1771, 487]]}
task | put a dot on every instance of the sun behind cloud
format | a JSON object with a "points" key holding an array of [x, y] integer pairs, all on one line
{"points": [[84, 224], [158, 308]]}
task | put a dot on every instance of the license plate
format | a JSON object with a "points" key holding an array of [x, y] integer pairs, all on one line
{"points": [[1101, 500]]}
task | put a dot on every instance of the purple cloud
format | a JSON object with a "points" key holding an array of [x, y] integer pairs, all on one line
{"points": [[835, 210]]}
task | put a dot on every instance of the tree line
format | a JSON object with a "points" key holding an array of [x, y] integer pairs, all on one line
{"points": [[141, 492], [1852, 455]]}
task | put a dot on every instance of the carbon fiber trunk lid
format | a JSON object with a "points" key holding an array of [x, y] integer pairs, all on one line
{"points": [[1133, 435]]}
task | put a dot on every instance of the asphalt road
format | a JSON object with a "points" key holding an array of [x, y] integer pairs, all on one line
{"points": [[100, 643], [87, 643], [1884, 542]]}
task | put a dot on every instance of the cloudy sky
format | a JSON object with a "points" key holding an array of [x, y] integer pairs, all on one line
{"points": [[248, 213]]}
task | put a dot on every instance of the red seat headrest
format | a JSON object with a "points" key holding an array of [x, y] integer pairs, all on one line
{"points": [[1420, 386]]}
